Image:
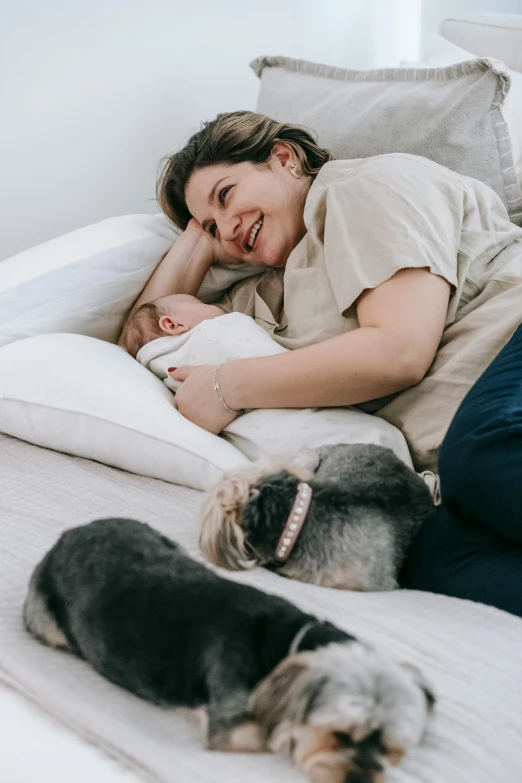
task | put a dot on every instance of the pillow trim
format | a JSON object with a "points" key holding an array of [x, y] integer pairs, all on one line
{"points": [[510, 185], [500, 128], [75, 412], [447, 72]]}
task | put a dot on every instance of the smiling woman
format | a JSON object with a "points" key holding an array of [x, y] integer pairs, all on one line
{"points": [[256, 212], [232, 177], [402, 283]]}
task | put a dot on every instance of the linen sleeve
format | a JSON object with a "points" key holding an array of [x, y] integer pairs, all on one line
{"points": [[393, 212], [240, 298]]}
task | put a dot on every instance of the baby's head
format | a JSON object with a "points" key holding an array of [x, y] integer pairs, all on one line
{"points": [[167, 315]]}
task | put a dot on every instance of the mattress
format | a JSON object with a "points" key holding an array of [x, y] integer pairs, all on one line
{"points": [[469, 651]]}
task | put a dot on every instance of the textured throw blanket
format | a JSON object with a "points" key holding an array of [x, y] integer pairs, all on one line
{"points": [[471, 653], [272, 432]]}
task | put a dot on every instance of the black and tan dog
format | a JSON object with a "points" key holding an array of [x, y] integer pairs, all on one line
{"points": [[272, 678], [342, 516]]}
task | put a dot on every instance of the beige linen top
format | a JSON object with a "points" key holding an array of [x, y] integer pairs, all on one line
{"points": [[366, 220]]}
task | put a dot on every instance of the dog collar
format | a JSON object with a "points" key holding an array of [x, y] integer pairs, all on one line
{"points": [[300, 635], [294, 523]]}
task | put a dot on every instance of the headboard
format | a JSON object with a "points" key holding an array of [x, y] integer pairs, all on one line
{"points": [[488, 35]]}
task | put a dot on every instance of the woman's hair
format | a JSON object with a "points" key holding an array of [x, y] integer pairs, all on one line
{"points": [[232, 138]]}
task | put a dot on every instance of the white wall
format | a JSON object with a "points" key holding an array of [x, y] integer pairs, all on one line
{"points": [[94, 93]]}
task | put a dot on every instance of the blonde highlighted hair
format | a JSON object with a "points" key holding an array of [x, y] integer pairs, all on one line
{"points": [[222, 538], [231, 138]]}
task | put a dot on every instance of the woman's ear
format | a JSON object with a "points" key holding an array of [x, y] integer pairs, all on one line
{"points": [[172, 326], [283, 154]]}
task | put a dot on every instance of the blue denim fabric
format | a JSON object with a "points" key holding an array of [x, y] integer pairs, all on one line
{"points": [[472, 546]]}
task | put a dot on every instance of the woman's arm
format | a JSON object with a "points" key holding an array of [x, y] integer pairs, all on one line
{"points": [[182, 270], [401, 321], [401, 325]]}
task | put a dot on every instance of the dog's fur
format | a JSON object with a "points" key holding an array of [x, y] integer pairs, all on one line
{"points": [[366, 507], [154, 621]]}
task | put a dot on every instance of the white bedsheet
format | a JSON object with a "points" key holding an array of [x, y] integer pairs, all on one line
{"points": [[36, 748], [470, 652]]}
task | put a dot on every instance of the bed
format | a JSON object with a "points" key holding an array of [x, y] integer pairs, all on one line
{"points": [[61, 722]]}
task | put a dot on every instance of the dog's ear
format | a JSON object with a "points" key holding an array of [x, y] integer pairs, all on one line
{"points": [[222, 539], [266, 511], [291, 692], [275, 698]]}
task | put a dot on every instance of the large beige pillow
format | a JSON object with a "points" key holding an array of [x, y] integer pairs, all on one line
{"points": [[439, 52], [451, 115]]}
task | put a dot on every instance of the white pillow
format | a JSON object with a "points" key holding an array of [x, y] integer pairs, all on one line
{"points": [[84, 281], [87, 280], [439, 52], [89, 398], [86, 397]]}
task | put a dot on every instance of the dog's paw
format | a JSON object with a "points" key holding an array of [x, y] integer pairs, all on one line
{"points": [[344, 711], [244, 738]]}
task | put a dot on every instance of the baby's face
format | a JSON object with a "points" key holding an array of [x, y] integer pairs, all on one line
{"points": [[184, 312]]}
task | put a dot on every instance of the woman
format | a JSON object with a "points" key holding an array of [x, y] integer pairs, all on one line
{"points": [[402, 283]]}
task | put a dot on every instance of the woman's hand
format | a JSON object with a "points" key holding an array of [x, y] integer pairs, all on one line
{"points": [[215, 247], [197, 400]]}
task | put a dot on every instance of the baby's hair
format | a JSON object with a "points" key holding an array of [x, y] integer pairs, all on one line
{"points": [[143, 324], [142, 327]]}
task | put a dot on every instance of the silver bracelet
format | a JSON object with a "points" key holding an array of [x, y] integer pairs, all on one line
{"points": [[217, 389]]}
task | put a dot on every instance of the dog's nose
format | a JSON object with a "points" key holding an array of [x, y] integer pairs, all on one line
{"points": [[367, 760], [344, 739], [359, 777]]}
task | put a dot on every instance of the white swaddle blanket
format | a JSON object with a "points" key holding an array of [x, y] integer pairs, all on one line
{"points": [[269, 432]]}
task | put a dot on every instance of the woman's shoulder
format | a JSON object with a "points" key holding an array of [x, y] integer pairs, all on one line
{"points": [[391, 182], [394, 163]]}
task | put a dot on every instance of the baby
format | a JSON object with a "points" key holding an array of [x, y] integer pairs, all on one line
{"points": [[259, 297], [167, 316], [178, 330]]}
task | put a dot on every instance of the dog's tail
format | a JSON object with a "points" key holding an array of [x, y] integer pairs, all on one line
{"points": [[39, 620], [222, 539]]}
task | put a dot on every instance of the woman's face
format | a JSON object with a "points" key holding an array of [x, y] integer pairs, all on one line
{"points": [[256, 213]]}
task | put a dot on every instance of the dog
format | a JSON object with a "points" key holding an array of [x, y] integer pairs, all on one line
{"points": [[343, 516], [146, 616]]}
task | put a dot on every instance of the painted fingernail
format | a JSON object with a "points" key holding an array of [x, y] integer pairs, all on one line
{"points": [[172, 369]]}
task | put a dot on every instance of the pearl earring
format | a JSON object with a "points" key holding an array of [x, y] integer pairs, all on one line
{"points": [[292, 167]]}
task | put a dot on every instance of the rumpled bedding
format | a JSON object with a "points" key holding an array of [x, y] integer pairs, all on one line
{"points": [[470, 652]]}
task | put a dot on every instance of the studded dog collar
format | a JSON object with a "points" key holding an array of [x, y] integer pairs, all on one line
{"points": [[294, 523]]}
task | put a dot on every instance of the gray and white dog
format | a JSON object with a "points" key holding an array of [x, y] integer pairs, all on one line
{"points": [[343, 516], [270, 677]]}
